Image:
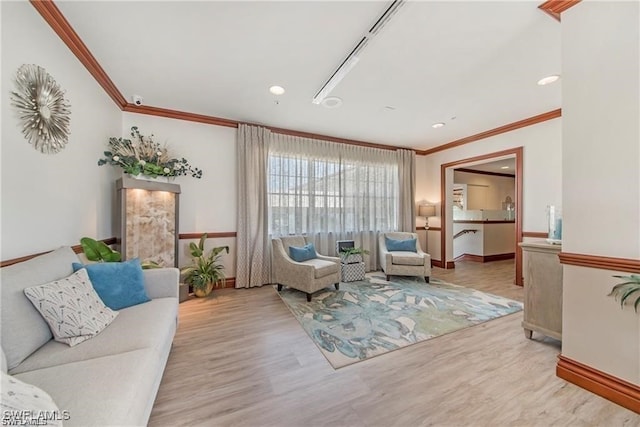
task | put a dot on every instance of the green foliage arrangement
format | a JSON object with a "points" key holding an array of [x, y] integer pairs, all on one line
{"points": [[143, 155], [206, 270], [353, 251], [626, 289], [352, 255]]}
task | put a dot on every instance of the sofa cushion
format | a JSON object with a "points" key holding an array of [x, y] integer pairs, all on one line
{"points": [[71, 307], [323, 268], [19, 398], [4, 362], [304, 253], [23, 329], [406, 245], [149, 325], [115, 390], [119, 284], [406, 258]]}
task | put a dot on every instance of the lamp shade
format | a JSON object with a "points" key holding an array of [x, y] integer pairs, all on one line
{"points": [[426, 210]]}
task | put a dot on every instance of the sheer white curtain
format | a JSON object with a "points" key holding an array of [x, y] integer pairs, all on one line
{"points": [[332, 191], [407, 182], [253, 258]]}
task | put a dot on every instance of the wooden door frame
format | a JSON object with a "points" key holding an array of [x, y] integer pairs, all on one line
{"points": [[518, 152]]}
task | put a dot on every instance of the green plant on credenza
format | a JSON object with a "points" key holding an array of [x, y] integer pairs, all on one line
{"points": [[627, 290]]}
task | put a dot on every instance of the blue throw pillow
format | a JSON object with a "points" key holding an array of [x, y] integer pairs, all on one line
{"points": [[408, 245], [304, 253], [118, 284]]}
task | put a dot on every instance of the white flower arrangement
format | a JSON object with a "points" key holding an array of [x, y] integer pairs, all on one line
{"points": [[145, 156]]}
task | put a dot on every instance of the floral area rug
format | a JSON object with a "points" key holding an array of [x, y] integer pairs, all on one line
{"points": [[373, 316]]}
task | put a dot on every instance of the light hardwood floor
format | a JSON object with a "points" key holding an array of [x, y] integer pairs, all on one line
{"points": [[241, 359]]}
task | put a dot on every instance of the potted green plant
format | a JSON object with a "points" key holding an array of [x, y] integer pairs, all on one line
{"points": [[352, 255], [206, 271], [626, 289]]}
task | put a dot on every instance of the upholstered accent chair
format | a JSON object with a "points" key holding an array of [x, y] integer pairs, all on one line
{"points": [[307, 276], [408, 261]]}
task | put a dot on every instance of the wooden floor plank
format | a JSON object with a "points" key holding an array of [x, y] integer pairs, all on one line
{"points": [[242, 359]]}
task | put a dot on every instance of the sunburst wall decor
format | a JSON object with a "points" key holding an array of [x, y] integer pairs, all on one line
{"points": [[43, 110]]}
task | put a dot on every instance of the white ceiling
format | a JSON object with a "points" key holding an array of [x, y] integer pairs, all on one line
{"points": [[476, 61]]}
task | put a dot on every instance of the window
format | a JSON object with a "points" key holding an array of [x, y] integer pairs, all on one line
{"points": [[323, 187]]}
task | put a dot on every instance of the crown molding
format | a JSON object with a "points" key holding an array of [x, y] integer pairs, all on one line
{"points": [[555, 7], [504, 175], [56, 20], [550, 115], [179, 115]]}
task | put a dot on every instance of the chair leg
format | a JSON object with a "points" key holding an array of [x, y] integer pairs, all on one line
{"points": [[388, 277], [337, 285], [279, 287], [308, 297], [426, 279]]}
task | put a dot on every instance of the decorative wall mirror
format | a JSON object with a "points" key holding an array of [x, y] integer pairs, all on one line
{"points": [[43, 111]]}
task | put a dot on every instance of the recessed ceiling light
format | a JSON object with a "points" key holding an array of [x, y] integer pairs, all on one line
{"points": [[276, 90], [331, 102], [437, 125], [504, 167], [548, 80]]}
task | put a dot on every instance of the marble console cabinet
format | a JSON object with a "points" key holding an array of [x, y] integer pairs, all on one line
{"points": [[542, 289], [147, 220]]}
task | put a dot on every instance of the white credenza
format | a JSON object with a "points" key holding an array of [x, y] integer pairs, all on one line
{"points": [[542, 289]]}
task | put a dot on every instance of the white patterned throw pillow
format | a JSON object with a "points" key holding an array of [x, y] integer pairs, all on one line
{"points": [[26, 404], [71, 307]]}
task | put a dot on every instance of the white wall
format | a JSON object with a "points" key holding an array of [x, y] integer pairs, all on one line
{"points": [[542, 168], [470, 243], [485, 191], [499, 239], [542, 171], [207, 204], [601, 180], [52, 200], [490, 239]]}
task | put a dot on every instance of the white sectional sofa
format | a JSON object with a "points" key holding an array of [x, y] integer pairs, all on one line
{"points": [[110, 379]]}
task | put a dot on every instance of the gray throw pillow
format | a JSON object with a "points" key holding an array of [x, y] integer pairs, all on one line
{"points": [[71, 307]]}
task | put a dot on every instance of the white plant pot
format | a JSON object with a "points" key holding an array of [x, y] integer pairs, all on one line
{"points": [[143, 177]]}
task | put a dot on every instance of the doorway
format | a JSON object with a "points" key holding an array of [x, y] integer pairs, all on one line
{"points": [[447, 197]]}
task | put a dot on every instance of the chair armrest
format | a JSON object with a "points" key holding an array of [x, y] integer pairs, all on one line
{"points": [[161, 282], [329, 258], [384, 254]]}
